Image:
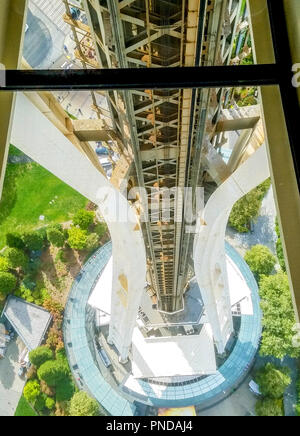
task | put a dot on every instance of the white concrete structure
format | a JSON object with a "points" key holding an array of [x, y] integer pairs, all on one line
{"points": [[37, 137], [209, 246], [174, 355]]}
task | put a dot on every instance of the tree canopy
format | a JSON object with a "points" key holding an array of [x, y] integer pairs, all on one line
{"points": [[40, 355], [83, 405], [273, 380], [260, 260], [7, 283], [247, 208], [278, 317], [16, 258], [83, 218], [33, 240], [269, 407], [52, 372], [55, 237], [77, 238], [32, 390]]}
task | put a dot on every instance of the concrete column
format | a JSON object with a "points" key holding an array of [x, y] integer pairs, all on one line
{"points": [[12, 22], [36, 136], [209, 245]]}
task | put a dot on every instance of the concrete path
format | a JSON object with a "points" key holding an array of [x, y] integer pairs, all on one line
{"points": [[11, 385]]}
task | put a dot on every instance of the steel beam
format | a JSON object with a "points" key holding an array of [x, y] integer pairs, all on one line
{"points": [[151, 78]]}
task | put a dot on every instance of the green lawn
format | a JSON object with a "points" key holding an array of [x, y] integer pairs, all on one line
{"points": [[24, 408], [27, 193]]}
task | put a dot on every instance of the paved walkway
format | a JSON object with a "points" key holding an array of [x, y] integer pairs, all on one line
{"points": [[11, 385]]}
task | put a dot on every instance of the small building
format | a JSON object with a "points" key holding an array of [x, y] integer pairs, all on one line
{"points": [[29, 321]]}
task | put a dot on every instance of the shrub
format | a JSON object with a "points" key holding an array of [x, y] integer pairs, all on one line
{"points": [[273, 380], [16, 258], [269, 407], [100, 229], [55, 339], [83, 405], [40, 402], [40, 355], [55, 237], [83, 218], [33, 240], [92, 242], [32, 390], [50, 403], [52, 372], [260, 260], [4, 264], [65, 390], [77, 238], [14, 240], [7, 283], [278, 317]]}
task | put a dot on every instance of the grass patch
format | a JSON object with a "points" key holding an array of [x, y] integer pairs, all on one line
{"points": [[24, 408], [31, 191]]}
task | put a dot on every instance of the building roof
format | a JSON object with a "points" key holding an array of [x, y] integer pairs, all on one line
{"points": [[29, 321]]}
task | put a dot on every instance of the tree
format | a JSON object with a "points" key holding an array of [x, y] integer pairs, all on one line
{"points": [[83, 218], [269, 407], [92, 242], [7, 283], [32, 390], [273, 380], [14, 240], [55, 237], [77, 238], [33, 240], [16, 258], [247, 208], [83, 405], [65, 390], [278, 317], [52, 372], [40, 355], [260, 260], [4, 264]]}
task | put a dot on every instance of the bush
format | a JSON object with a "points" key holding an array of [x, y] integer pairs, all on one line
{"points": [[273, 380], [269, 407], [40, 403], [40, 355], [32, 390], [50, 403], [14, 240], [16, 258], [4, 264], [77, 238], [83, 405], [100, 229], [247, 208], [278, 317], [55, 237], [92, 242], [7, 283], [65, 390], [260, 260], [33, 240], [31, 373], [52, 372], [55, 339], [83, 218]]}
